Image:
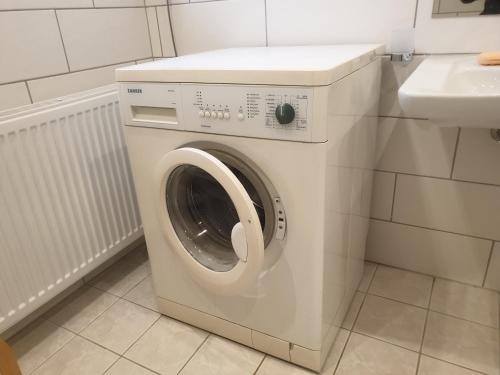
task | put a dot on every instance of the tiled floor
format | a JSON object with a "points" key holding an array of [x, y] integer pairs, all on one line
{"points": [[399, 323]]}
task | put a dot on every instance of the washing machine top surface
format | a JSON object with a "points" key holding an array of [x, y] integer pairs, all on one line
{"points": [[294, 65]]}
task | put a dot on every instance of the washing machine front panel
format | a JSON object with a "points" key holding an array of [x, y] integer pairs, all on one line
{"points": [[214, 217]]}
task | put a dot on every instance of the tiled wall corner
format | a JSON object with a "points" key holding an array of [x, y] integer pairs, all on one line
{"points": [[154, 31], [166, 38], [236, 23]]}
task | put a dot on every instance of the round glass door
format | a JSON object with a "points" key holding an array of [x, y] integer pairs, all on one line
{"points": [[204, 216]]}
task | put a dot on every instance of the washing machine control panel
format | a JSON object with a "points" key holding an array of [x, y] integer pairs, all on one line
{"points": [[257, 111], [273, 112]]}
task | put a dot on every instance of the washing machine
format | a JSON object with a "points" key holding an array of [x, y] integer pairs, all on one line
{"points": [[253, 169]]}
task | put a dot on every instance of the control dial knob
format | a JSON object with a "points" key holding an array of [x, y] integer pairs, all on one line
{"points": [[285, 113]]}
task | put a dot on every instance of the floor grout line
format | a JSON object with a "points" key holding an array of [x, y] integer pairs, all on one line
{"points": [[373, 275], [196, 351], [260, 364]]}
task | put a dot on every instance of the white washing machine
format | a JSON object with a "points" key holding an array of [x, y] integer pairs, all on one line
{"points": [[253, 169]]}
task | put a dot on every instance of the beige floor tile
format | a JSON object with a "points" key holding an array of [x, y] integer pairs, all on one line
{"points": [[166, 346], [120, 326], [80, 357], [37, 342], [79, 309], [392, 321], [274, 366], [353, 311], [364, 355], [404, 286], [368, 273], [125, 274], [218, 356], [125, 367], [465, 343], [335, 353], [466, 302], [431, 366], [143, 294]]}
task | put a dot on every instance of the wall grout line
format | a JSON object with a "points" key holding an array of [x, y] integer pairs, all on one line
{"points": [[437, 177], [159, 32], [29, 91], [265, 22], [416, 13], [70, 8], [488, 263], [394, 195], [455, 153], [62, 41], [434, 229], [171, 29], [149, 31], [74, 71]]}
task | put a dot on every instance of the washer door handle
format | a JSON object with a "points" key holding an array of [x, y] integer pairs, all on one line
{"points": [[239, 241]]}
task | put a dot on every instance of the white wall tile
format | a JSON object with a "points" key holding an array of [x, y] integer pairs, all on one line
{"points": [[433, 252], [383, 190], [14, 95], [455, 34], [493, 275], [175, 1], [478, 157], [167, 43], [118, 3], [154, 31], [415, 147], [218, 24], [336, 21], [30, 45], [459, 207], [52, 87], [44, 4], [116, 35], [157, 2], [394, 74]]}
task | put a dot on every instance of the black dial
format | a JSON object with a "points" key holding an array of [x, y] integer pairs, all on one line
{"points": [[285, 113]]}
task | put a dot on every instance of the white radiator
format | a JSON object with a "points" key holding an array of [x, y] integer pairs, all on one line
{"points": [[67, 201]]}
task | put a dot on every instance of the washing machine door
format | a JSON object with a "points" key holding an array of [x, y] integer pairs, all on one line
{"points": [[210, 220]]}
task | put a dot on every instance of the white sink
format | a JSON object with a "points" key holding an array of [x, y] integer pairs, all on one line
{"points": [[453, 90]]}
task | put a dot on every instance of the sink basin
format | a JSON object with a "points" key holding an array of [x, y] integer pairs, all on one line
{"points": [[453, 90]]}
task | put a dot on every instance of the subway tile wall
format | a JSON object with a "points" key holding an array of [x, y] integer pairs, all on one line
{"points": [[51, 48]]}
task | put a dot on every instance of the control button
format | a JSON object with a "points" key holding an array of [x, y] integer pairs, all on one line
{"points": [[201, 113], [214, 114], [227, 116], [285, 113], [207, 114], [220, 115], [241, 116]]}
